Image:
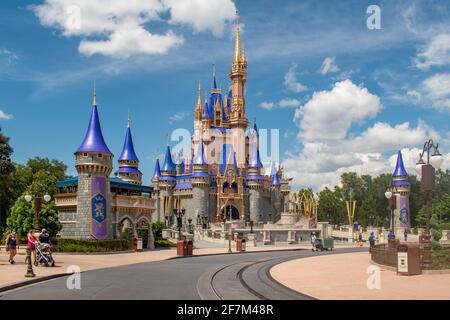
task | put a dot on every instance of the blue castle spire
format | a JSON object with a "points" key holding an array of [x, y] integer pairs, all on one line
{"points": [[255, 161], [168, 162], [93, 141], [200, 156], [206, 114], [400, 170], [128, 152], [157, 172], [276, 179]]}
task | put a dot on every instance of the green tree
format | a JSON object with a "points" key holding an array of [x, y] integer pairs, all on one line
{"points": [[37, 177], [329, 206], [6, 168], [440, 210], [22, 217]]}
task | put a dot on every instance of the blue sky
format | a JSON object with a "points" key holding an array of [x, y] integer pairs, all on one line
{"points": [[343, 96]]}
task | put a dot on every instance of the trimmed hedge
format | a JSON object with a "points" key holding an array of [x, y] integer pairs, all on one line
{"points": [[74, 245], [162, 243]]}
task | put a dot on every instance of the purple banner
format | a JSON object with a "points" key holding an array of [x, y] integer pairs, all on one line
{"points": [[99, 221], [403, 215]]}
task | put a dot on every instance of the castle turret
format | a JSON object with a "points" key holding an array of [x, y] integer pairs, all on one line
{"points": [[94, 165], [400, 180], [255, 184], [128, 161], [167, 183], [238, 118], [201, 182], [156, 191]]}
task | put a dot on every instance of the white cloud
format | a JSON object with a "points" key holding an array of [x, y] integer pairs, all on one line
{"points": [[328, 115], [202, 15], [119, 28], [329, 65], [329, 150], [437, 88], [5, 116], [435, 53], [291, 82], [8, 57], [178, 117], [283, 103]]}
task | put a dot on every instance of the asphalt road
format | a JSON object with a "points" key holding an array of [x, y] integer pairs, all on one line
{"points": [[236, 276]]}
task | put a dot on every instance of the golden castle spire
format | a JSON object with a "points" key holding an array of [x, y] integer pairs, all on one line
{"points": [[237, 49], [199, 99], [94, 99]]}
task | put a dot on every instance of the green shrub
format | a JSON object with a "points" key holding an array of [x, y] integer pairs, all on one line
{"points": [[157, 228], [162, 243], [74, 245]]}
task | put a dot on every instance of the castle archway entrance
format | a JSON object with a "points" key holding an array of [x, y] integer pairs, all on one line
{"points": [[230, 211]]}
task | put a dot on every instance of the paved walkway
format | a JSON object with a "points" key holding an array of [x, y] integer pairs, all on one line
{"points": [[344, 276]]}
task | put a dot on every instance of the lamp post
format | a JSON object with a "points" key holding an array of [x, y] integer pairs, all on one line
{"points": [[316, 211], [179, 214], [391, 194], [37, 207], [427, 171]]}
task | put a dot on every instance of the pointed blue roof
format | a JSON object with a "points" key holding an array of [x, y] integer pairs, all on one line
{"points": [[227, 153], [229, 99], [276, 180], [200, 155], [157, 172], [128, 148], [206, 114], [255, 161], [214, 82], [255, 129], [400, 170], [168, 162], [93, 141], [182, 167]]}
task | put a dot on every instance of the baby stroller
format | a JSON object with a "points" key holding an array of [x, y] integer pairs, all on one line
{"points": [[44, 255]]}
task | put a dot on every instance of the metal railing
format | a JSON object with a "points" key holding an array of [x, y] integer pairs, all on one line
{"points": [[384, 254]]}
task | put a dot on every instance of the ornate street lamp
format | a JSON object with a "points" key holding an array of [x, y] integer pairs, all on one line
{"points": [[179, 213], [391, 194], [37, 207], [427, 171]]}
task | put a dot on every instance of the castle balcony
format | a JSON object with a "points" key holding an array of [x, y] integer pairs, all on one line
{"points": [[66, 200], [135, 204]]}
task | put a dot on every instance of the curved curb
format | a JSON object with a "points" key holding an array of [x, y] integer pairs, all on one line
{"points": [[234, 252], [32, 281]]}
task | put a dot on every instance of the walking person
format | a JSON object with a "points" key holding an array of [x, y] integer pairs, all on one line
{"points": [[32, 243], [11, 245], [406, 235], [313, 241], [371, 240]]}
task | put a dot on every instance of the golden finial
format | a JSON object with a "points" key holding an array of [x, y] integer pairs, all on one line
{"points": [[214, 69], [199, 100], [167, 139], [129, 121], [94, 99], [237, 50]]}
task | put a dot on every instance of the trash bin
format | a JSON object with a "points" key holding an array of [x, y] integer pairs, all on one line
{"points": [[139, 244], [408, 259], [181, 247], [238, 245], [189, 247]]}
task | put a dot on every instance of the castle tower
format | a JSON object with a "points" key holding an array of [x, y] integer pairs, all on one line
{"points": [[255, 184], [94, 165], [200, 184], [166, 184], [238, 118], [128, 161], [198, 115], [156, 191], [400, 180]]}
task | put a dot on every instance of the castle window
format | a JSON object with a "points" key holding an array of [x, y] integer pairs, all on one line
{"points": [[99, 155], [85, 154]]}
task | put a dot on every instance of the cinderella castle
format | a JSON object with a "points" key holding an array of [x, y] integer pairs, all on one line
{"points": [[224, 177]]}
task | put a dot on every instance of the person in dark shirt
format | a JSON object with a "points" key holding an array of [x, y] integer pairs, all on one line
{"points": [[44, 237]]}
